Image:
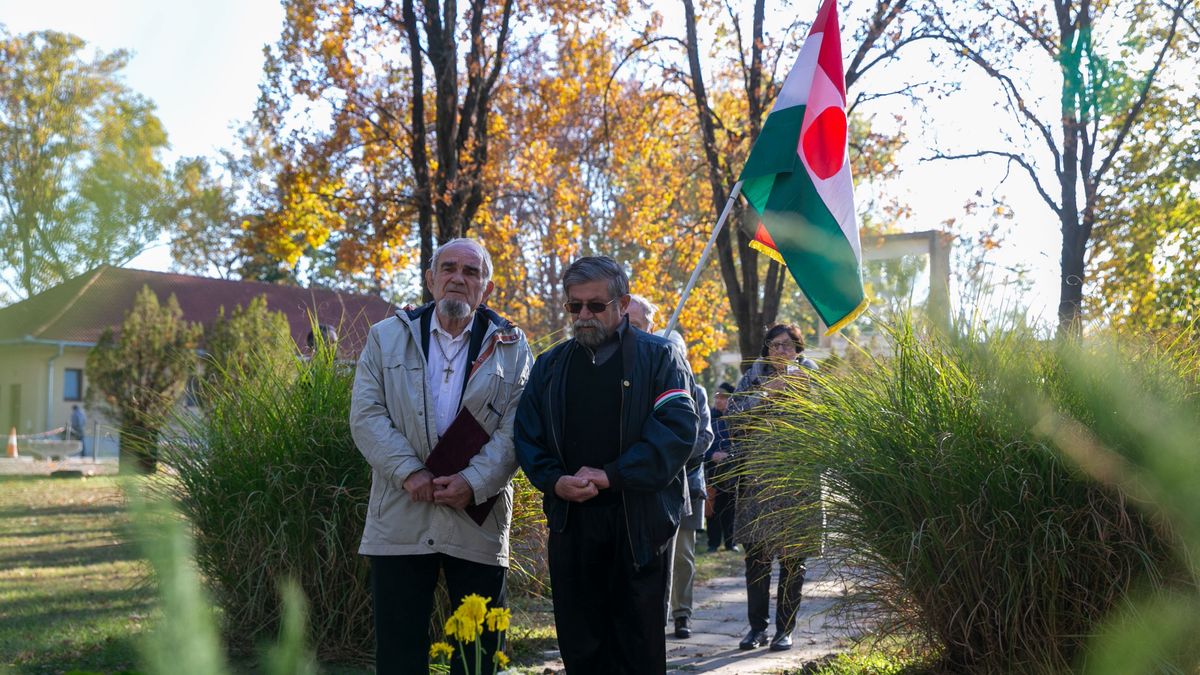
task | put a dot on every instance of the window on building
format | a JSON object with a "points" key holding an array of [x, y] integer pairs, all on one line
{"points": [[73, 384]]}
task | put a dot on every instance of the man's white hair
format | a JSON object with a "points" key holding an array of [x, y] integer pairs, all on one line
{"points": [[465, 241], [676, 340], [648, 307]]}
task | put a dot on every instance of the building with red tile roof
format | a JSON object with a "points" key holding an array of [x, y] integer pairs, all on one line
{"points": [[44, 339]]}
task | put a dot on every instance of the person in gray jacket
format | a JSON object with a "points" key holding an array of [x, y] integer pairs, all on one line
{"points": [[682, 570], [419, 370], [760, 520], [683, 557]]}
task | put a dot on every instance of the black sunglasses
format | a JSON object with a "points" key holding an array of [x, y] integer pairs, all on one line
{"points": [[575, 306]]}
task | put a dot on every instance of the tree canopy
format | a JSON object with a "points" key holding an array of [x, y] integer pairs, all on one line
{"points": [[1109, 59], [80, 177]]}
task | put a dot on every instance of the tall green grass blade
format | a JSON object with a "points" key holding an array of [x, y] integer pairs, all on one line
{"points": [[186, 639]]}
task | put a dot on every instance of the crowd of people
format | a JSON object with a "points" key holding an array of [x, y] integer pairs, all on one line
{"points": [[610, 425]]}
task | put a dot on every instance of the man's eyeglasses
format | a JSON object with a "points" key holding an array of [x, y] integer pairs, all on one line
{"points": [[575, 306]]}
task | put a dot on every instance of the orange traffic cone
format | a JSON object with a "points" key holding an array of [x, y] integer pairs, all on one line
{"points": [[12, 443]]}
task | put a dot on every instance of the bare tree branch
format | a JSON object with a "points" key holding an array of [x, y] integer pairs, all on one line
{"points": [[1016, 101], [1011, 157], [1143, 96], [885, 14], [1046, 42]]}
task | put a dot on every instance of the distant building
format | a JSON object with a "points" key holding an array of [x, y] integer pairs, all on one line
{"points": [[44, 340]]}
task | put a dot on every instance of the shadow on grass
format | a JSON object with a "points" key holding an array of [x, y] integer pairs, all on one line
{"points": [[101, 510], [89, 630], [115, 654], [77, 556], [42, 614]]}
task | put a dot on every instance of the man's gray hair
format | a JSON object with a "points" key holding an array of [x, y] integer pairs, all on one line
{"points": [[648, 307], [465, 241], [596, 268]]}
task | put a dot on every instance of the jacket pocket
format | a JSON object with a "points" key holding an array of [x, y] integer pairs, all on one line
{"points": [[395, 377], [491, 401], [384, 487]]}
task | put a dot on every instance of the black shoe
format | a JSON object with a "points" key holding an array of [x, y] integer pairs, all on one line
{"points": [[781, 642], [755, 638], [712, 549], [683, 627]]}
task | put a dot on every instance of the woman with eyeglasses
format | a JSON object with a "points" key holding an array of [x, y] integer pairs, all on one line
{"points": [[782, 365]]}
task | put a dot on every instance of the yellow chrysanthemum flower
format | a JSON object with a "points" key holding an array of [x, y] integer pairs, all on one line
{"points": [[462, 628], [500, 658], [439, 649], [498, 618], [468, 631], [473, 609], [452, 625]]}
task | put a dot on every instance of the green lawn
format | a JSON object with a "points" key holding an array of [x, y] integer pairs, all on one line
{"points": [[73, 594]]}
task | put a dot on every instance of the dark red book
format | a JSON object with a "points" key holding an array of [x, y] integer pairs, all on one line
{"points": [[464, 438]]}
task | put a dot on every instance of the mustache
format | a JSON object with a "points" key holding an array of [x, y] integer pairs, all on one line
{"points": [[589, 332]]}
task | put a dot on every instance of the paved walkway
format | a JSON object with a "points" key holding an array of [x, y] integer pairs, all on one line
{"points": [[719, 622], [29, 466]]}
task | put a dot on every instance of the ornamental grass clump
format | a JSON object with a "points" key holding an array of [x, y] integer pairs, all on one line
{"points": [[950, 498], [274, 488], [1145, 422], [184, 638]]}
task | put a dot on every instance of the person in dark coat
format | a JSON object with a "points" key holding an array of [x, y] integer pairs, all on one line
{"points": [[604, 428], [757, 526], [720, 485]]}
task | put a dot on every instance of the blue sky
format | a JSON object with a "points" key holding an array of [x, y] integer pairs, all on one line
{"points": [[200, 62]]}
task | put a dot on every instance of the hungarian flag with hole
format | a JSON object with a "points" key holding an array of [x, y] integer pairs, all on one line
{"points": [[798, 180]]}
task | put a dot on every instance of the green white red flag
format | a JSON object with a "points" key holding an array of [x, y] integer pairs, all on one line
{"points": [[798, 180]]}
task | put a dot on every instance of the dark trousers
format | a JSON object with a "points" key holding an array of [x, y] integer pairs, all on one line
{"points": [[609, 616], [720, 528], [402, 588], [758, 587]]}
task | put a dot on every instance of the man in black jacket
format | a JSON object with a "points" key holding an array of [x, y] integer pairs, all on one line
{"points": [[604, 428]]}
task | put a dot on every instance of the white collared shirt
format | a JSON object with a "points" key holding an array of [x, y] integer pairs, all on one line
{"points": [[446, 394]]}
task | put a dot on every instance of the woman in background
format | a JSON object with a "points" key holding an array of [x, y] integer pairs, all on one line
{"points": [[782, 364]]}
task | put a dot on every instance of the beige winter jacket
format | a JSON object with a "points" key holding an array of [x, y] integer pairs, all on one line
{"points": [[393, 423]]}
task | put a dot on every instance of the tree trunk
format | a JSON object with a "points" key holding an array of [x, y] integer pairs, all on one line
{"points": [[1070, 294], [450, 195], [139, 450], [420, 152], [739, 272]]}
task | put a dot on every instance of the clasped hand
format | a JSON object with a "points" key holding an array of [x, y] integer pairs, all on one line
{"points": [[585, 484], [452, 491]]}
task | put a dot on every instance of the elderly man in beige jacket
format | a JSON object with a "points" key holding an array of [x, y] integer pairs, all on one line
{"points": [[419, 371]]}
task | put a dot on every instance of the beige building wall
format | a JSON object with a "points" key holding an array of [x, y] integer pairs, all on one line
{"points": [[33, 389], [23, 387]]}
